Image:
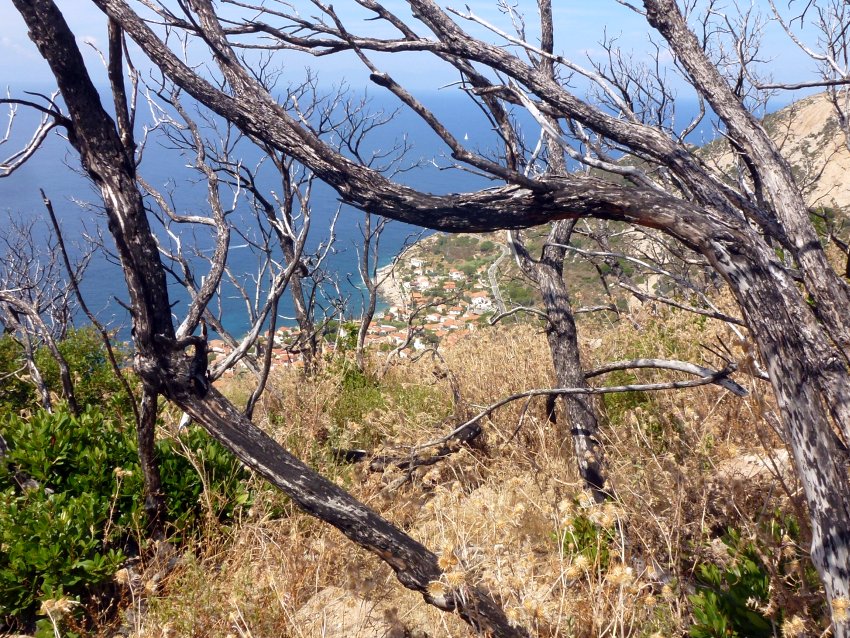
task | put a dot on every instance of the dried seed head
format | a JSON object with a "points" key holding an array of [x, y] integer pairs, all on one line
{"points": [[620, 575], [59, 607], [793, 627], [514, 616], [566, 507], [455, 579], [532, 607], [447, 559], [573, 572], [581, 562], [840, 609], [122, 576], [436, 589]]}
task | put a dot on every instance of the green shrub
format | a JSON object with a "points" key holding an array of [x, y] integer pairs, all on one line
{"points": [[187, 465], [358, 395], [15, 392], [584, 537], [95, 383], [618, 404], [725, 604], [71, 499]]}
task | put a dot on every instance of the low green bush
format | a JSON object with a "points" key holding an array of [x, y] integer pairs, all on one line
{"points": [[359, 394], [71, 500], [94, 380], [69, 503], [590, 539], [728, 596]]}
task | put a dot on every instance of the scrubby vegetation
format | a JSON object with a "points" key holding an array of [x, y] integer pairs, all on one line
{"points": [[71, 518], [698, 541], [706, 535]]}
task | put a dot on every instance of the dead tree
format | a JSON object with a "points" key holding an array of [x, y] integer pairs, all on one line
{"points": [[802, 336], [547, 273], [37, 301], [367, 265], [165, 368]]}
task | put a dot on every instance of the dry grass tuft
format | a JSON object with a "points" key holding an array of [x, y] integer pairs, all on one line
{"points": [[509, 513]]}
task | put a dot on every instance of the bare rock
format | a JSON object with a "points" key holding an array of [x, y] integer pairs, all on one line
{"points": [[337, 613]]}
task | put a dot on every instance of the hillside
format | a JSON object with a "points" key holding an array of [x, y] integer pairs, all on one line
{"points": [[809, 135], [697, 509], [475, 276], [706, 534]]}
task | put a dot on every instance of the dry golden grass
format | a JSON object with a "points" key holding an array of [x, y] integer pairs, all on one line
{"points": [[508, 513]]}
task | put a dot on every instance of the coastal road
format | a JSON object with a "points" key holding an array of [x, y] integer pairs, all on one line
{"points": [[494, 284]]}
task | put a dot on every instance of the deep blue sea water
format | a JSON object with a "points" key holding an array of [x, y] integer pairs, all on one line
{"points": [[56, 169]]}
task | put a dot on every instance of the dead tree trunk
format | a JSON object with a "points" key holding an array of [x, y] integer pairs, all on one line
{"points": [[561, 333], [797, 356], [146, 440], [580, 412], [164, 368], [368, 266]]}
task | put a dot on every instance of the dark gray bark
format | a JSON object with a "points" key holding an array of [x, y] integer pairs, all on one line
{"points": [[798, 357], [165, 369], [581, 422], [146, 439]]}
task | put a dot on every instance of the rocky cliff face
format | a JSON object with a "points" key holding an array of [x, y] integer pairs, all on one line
{"points": [[809, 134]]}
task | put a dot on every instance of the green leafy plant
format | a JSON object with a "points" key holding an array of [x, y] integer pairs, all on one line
{"points": [[729, 594], [70, 502], [201, 480], [95, 381], [585, 537], [359, 394]]}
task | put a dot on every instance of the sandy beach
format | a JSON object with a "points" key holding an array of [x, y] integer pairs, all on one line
{"points": [[389, 287]]}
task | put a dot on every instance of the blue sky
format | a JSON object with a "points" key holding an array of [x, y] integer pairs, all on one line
{"points": [[580, 25]]}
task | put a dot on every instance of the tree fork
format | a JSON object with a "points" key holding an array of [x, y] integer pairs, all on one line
{"points": [[164, 369]]}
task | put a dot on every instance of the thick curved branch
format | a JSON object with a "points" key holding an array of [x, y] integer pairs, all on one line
{"points": [[257, 114], [637, 387], [672, 364]]}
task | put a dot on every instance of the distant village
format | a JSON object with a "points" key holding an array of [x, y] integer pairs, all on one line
{"points": [[430, 302]]}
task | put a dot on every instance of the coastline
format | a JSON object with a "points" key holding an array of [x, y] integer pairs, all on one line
{"points": [[389, 286]]}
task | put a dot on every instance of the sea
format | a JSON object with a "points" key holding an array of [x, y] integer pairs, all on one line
{"points": [[55, 168]]}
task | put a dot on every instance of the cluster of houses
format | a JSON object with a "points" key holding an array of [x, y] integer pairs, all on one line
{"points": [[444, 307]]}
